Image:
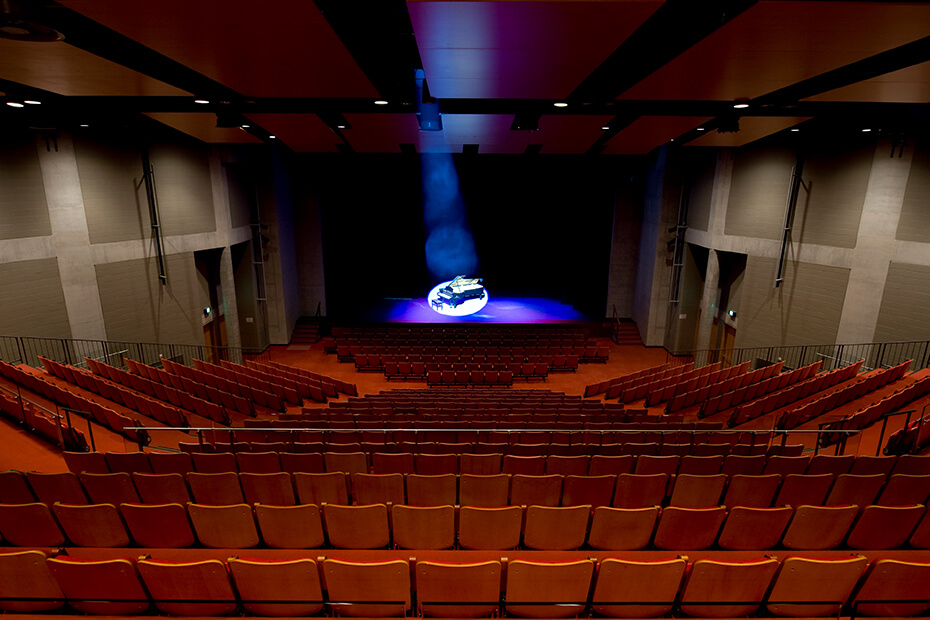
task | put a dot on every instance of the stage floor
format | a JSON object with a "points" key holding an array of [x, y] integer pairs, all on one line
{"points": [[497, 310]]}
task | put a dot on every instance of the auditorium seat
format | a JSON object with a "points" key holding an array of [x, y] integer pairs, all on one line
{"points": [[258, 462], [889, 580], [884, 527], [161, 488], [271, 489], [378, 489], [346, 462], [829, 464], [693, 491], [490, 528], [357, 527], [128, 462], [855, 489], [710, 584], [351, 584], [800, 489], [647, 465], [488, 491], [899, 490], [158, 525], [622, 582], [563, 584], [173, 585], [330, 488], [700, 465], [104, 588], [554, 528], [524, 465], [620, 529], [870, 465], [423, 527], [475, 587], [219, 489], [58, 487], [217, 463], [640, 491], [436, 464], [224, 527], [431, 490], [747, 528], [94, 525], [392, 463], [171, 463], [912, 464], [290, 527], [744, 465], [590, 490], [785, 465], [567, 465], [113, 489], [819, 527], [14, 488], [688, 528], [30, 525], [752, 491], [486, 464], [535, 490], [278, 588], [92, 462], [25, 574], [808, 587], [603, 465]]}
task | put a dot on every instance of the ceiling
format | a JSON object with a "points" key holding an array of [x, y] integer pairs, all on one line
{"points": [[627, 75]]}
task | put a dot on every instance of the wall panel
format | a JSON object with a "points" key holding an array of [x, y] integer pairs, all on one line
{"points": [[23, 208], [33, 301], [914, 223], [759, 191], [905, 304], [185, 196]]}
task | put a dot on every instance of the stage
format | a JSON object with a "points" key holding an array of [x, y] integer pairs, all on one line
{"points": [[496, 310]]}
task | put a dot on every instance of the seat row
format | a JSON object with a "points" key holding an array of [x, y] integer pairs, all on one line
{"points": [[618, 491], [40, 422], [545, 528], [447, 462], [612, 587]]}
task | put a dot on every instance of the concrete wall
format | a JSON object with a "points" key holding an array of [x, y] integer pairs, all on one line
{"points": [[77, 257], [858, 260]]}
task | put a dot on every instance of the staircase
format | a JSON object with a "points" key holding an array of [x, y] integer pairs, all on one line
{"points": [[307, 331], [625, 332]]}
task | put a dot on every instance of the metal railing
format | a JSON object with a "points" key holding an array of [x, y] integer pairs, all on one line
{"points": [[27, 349], [875, 354]]}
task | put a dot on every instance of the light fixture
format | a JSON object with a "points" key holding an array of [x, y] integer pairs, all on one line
{"points": [[207, 311], [740, 106], [201, 101], [731, 314], [272, 137], [85, 125], [700, 129], [21, 23], [14, 104], [244, 126], [32, 102], [381, 102], [795, 129], [560, 104], [866, 130], [340, 126], [605, 127]]}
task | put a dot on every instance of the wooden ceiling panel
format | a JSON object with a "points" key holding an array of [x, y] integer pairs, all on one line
{"points": [[570, 134], [286, 49], [203, 127], [304, 133], [778, 43], [910, 85], [648, 132], [66, 70], [519, 50], [381, 133], [751, 128]]}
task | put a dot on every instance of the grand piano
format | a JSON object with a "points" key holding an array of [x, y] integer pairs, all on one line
{"points": [[461, 289]]}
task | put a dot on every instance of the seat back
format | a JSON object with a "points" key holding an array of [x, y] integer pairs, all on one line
{"points": [[616, 529], [128, 462], [819, 527], [477, 584], [427, 490], [278, 588], [224, 527], [357, 527], [490, 528], [113, 489], [258, 462], [158, 525], [884, 527], [25, 574], [640, 491], [535, 490], [109, 587], [563, 584], [488, 491], [748, 528], [218, 489], [30, 525], [893, 580], [273, 489], [799, 490], [58, 487], [173, 584], [752, 491], [92, 462], [162, 488], [352, 584], [806, 587], [552, 528], [711, 581], [417, 527], [171, 463], [329, 488], [378, 488], [95, 525], [588, 490], [14, 489], [291, 527], [689, 528], [899, 490], [620, 582], [697, 491]]}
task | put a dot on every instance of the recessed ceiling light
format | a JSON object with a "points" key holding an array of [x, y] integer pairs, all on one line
{"points": [[32, 102], [672, 140], [740, 106], [272, 137], [340, 126], [795, 129], [14, 104], [866, 130], [605, 127], [202, 101], [381, 102], [700, 129], [244, 126], [85, 125], [560, 104]]}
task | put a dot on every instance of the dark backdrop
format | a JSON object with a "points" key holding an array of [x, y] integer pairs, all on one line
{"points": [[541, 224]]}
